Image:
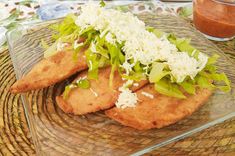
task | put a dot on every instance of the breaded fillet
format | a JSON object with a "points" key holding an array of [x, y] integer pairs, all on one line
{"points": [[50, 71], [158, 111], [100, 96]]}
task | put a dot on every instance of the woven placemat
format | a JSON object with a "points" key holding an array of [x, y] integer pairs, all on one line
{"points": [[14, 132]]}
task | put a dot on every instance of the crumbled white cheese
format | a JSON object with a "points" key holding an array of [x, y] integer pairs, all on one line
{"points": [[125, 85], [76, 44], [126, 99], [96, 94], [182, 65], [147, 95], [72, 86], [178, 68], [136, 84], [110, 38], [139, 44], [60, 45], [127, 66]]}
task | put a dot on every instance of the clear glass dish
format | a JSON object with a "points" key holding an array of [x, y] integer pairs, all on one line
{"points": [[57, 133]]}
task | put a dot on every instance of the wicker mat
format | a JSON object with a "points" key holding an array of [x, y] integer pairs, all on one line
{"points": [[15, 138]]}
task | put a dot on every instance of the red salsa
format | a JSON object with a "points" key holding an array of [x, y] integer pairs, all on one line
{"points": [[214, 18]]}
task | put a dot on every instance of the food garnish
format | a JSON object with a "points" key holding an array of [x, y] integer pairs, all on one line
{"points": [[142, 77], [139, 52]]}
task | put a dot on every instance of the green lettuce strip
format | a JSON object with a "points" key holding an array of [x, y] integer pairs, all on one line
{"points": [[81, 83]]}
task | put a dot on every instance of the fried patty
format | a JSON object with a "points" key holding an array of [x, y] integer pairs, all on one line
{"points": [[158, 111], [50, 71], [99, 96]]}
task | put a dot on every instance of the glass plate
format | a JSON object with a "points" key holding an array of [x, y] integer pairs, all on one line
{"points": [[57, 133]]}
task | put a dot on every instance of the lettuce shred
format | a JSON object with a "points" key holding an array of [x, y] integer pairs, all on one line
{"points": [[207, 78], [80, 83]]}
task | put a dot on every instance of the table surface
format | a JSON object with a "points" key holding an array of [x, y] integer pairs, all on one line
{"points": [[216, 140]]}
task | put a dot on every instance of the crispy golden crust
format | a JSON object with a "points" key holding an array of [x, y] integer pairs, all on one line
{"points": [[100, 96], [159, 111], [50, 71], [63, 105]]}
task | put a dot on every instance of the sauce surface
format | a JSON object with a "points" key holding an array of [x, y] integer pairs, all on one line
{"points": [[214, 18]]}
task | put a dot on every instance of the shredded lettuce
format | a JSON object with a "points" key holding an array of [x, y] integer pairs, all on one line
{"points": [[66, 32], [66, 91], [83, 83], [135, 77], [66, 27], [100, 53], [212, 60], [156, 32], [80, 83], [77, 50], [223, 83], [165, 87], [49, 50], [101, 47], [183, 44], [203, 82], [103, 62], [93, 64], [209, 77], [189, 87], [157, 72], [102, 3], [114, 60], [137, 67]]}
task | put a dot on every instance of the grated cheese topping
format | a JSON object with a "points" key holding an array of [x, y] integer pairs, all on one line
{"points": [[135, 84], [126, 99], [151, 96], [139, 44]]}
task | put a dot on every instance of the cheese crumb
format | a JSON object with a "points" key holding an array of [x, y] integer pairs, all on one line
{"points": [[126, 99], [96, 94], [136, 84], [151, 96]]}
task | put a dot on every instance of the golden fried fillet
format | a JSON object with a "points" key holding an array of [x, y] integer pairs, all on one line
{"points": [[158, 111], [98, 97], [50, 71]]}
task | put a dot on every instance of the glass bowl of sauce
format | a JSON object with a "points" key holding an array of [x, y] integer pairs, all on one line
{"points": [[215, 18]]}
